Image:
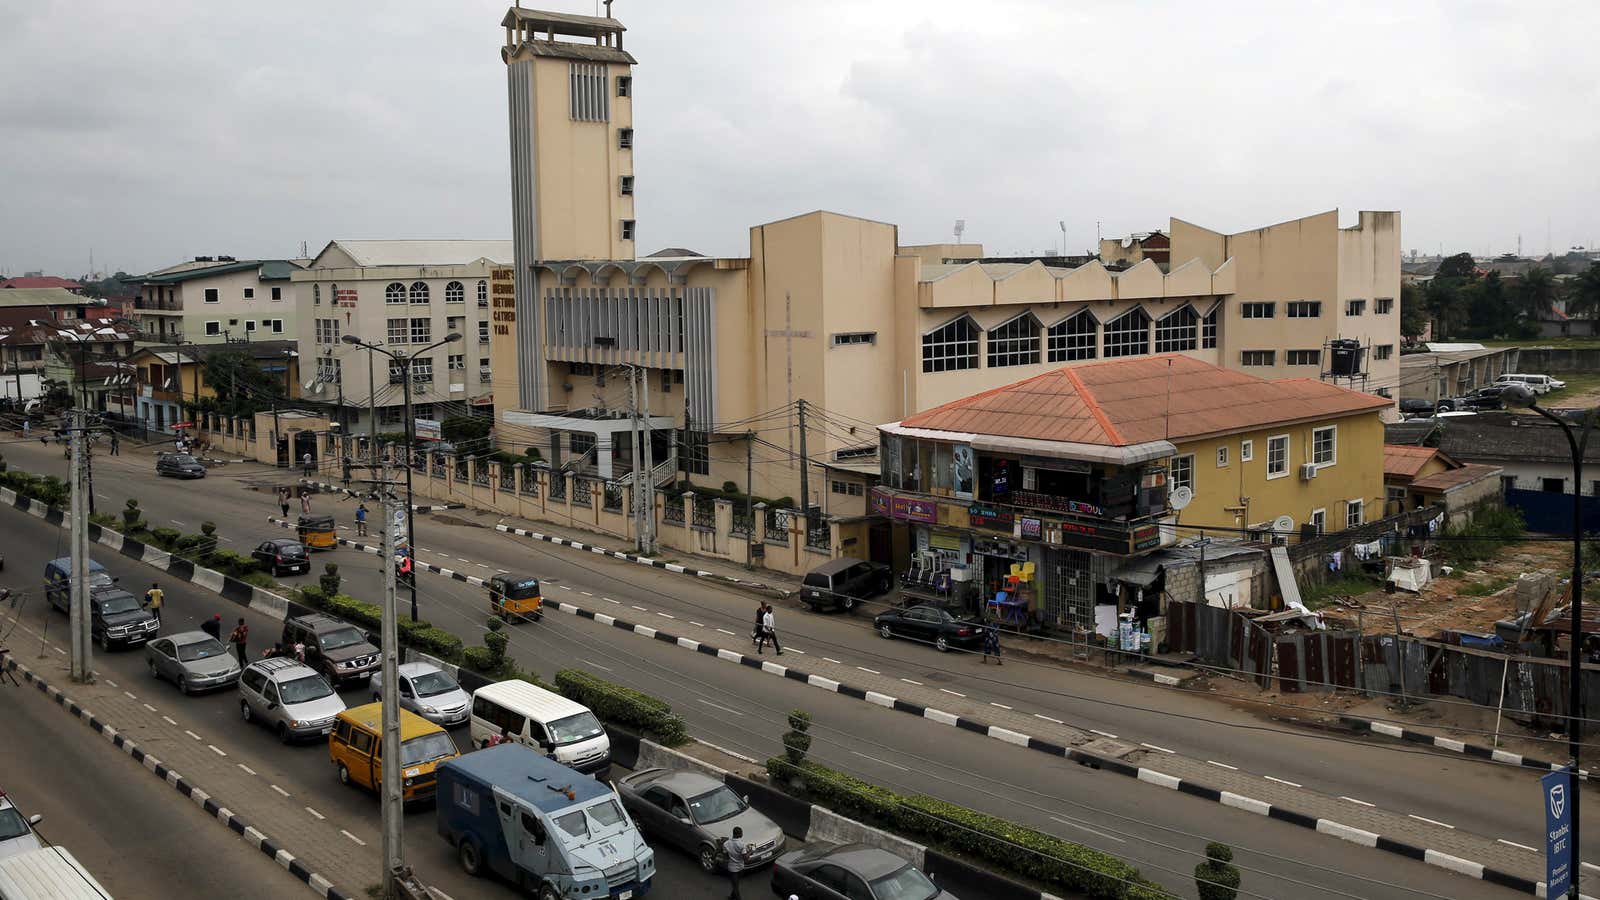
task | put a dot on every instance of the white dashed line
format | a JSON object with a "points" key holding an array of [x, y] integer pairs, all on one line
{"points": [[352, 837], [1517, 845], [176, 522], [149, 707], [719, 706], [563, 587], [797, 650], [609, 600], [215, 749], [587, 594], [1048, 719], [170, 720], [1103, 733], [666, 616], [698, 625], [1213, 762], [110, 682], [1355, 801], [590, 662], [1431, 821], [873, 671], [953, 693], [191, 734], [834, 661], [1001, 705], [280, 790], [726, 631], [319, 816], [59, 650], [1154, 747], [881, 762], [247, 769], [129, 695], [1281, 781], [641, 609]]}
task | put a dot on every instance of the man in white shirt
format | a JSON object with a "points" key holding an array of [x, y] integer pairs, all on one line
{"points": [[768, 633], [736, 851]]}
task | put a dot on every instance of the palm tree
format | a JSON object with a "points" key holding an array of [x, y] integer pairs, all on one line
{"points": [[1583, 294], [1538, 289]]}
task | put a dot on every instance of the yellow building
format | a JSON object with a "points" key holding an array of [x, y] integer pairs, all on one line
{"points": [[831, 321], [170, 383], [1079, 471]]}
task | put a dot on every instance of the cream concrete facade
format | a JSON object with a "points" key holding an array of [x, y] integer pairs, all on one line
{"points": [[832, 312], [358, 287], [211, 303]]}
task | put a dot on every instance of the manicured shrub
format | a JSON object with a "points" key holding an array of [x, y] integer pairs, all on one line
{"points": [[625, 706], [1217, 878]]}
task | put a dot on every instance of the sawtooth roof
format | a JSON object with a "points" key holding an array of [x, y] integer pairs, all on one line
{"points": [[1134, 401], [425, 253]]}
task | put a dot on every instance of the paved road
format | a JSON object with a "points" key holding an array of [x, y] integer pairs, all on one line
{"points": [[136, 835], [302, 771], [743, 710]]}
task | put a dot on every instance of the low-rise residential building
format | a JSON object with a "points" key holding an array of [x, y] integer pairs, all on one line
{"points": [[20, 305], [1415, 477], [1453, 370], [42, 281], [1076, 473], [404, 295], [170, 380], [216, 300], [1536, 460]]}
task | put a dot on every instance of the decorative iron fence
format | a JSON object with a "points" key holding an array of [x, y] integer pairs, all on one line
{"points": [[530, 480], [438, 465], [480, 472], [613, 496], [705, 512], [743, 522], [558, 484], [672, 510], [508, 477], [818, 535], [582, 490], [776, 528], [461, 469]]}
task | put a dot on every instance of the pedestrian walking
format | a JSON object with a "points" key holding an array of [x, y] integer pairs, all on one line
{"points": [[761, 614], [26, 427], [153, 599], [361, 520], [306, 464], [991, 642], [241, 634], [213, 626], [736, 851], [768, 633], [346, 467], [305, 502], [283, 501], [116, 446]]}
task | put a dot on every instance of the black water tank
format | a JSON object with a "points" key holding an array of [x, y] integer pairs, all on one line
{"points": [[1345, 354]]}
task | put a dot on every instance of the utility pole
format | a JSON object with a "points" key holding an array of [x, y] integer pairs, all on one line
{"points": [[372, 412], [805, 467], [749, 498], [649, 467], [82, 663], [637, 452], [393, 803], [411, 440]]}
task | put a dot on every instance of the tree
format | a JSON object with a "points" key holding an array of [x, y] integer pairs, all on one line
{"points": [[1413, 311], [1217, 878], [242, 386], [465, 429], [1537, 292], [1460, 265], [1583, 297]]}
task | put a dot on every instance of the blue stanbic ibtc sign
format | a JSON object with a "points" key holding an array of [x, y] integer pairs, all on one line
{"points": [[1557, 801]]}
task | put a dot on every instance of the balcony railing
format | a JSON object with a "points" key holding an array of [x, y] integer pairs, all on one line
{"points": [[1078, 525]]}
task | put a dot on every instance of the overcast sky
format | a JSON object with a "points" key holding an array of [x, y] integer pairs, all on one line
{"points": [[154, 132]]}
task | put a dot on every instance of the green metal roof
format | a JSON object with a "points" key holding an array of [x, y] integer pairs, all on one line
{"points": [[271, 270], [12, 297]]}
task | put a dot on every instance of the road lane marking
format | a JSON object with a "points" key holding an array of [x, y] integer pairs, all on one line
{"points": [[359, 841], [170, 720], [1154, 747], [834, 661], [1001, 705], [563, 587], [698, 625], [881, 762], [215, 749], [110, 682], [1358, 802], [641, 609], [59, 650], [1517, 845], [1101, 733], [191, 734], [1431, 821], [319, 816], [726, 631], [953, 693], [1222, 765], [587, 594], [797, 650], [280, 790], [1048, 719], [149, 707], [873, 671], [719, 706], [247, 769], [609, 600], [665, 616], [129, 695], [1109, 837], [176, 522], [590, 662], [1281, 781], [909, 681]]}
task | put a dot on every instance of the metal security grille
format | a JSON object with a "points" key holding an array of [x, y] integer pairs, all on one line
{"points": [[589, 99], [1069, 589]]}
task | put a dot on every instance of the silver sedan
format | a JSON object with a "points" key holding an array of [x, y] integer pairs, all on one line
{"points": [[192, 660], [697, 813], [428, 691]]}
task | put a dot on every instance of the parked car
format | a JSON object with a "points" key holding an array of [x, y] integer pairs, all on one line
{"points": [[282, 555], [1539, 384], [337, 649], [179, 465], [851, 872], [696, 813], [115, 616], [1491, 397], [430, 692], [930, 625], [1453, 404], [192, 660], [58, 579], [288, 697], [16, 832], [1416, 407], [843, 582]]}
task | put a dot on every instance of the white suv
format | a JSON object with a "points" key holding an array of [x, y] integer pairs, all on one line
{"points": [[16, 832], [1539, 384], [289, 697]]}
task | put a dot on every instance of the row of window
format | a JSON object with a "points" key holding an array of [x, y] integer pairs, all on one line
{"points": [[420, 330], [954, 346], [214, 326], [1301, 357], [1324, 452], [1311, 309], [326, 330], [397, 292], [212, 295]]}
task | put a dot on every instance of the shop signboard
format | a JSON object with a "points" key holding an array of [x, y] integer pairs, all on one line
{"points": [[880, 502], [1146, 536], [965, 467], [944, 540], [428, 430], [1028, 528], [914, 509], [989, 517]]}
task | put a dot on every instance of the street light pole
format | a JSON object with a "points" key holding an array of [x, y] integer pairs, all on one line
{"points": [[1520, 396]]}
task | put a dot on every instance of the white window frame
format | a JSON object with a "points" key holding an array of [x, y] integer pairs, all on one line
{"points": [[277, 294], [1304, 309], [213, 327], [249, 293], [419, 293], [483, 332], [1356, 508], [1258, 309], [394, 334], [422, 334], [483, 293], [1290, 358], [277, 326], [212, 295], [1270, 355], [1333, 449], [963, 349], [1355, 306], [1382, 306], [1319, 519], [1247, 450], [1383, 351], [1208, 328], [1068, 341], [1222, 456], [1014, 342], [1178, 330], [455, 292], [1288, 445], [849, 338], [1114, 341], [1187, 459], [394, 293]]}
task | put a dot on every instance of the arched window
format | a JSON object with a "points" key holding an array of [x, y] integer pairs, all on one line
{"points": [[483, 293], [455, 292], [1073, 339], [1014, 343], [951, 347], [1176, 330], [419, 292], [394, 293], [316, 294], [1128, 334]]}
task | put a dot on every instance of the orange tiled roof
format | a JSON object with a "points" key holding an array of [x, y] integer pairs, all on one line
{"points": [[1405, 461], [1450, 478], [1132, 401]]}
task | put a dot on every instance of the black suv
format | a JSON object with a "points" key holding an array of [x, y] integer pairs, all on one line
{"points": [[336, 649], [179, 465], [116, 618], [840, 583]]}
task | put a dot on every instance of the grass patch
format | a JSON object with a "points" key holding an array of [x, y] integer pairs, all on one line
{"points": [[1577, 383], [1485, 588], [1320, 596]]}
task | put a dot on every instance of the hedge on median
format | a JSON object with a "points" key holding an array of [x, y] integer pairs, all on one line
{"points": [[420, 634], [1007, 846], [623, 705]]}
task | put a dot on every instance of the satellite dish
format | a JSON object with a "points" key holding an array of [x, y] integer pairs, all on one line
{"points": [[307, 386], [1181, 496], [321, 386], [1283, 525]]}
